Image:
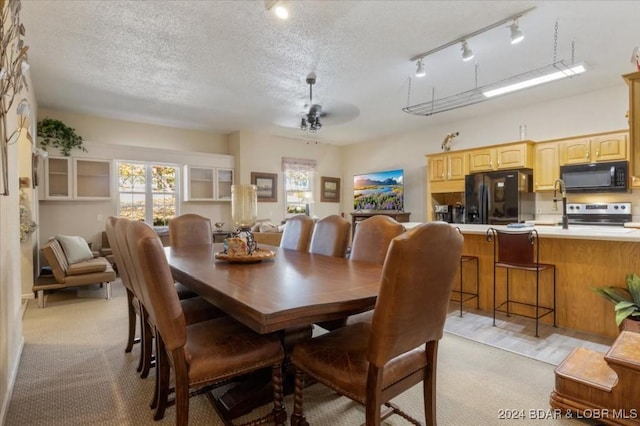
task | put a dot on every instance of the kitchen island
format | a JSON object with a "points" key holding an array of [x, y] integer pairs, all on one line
{"points": [[585, 257]]}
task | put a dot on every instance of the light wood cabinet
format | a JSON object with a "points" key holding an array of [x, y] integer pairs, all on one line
{"points": [[547, 166], [447, 171], [68, 178], [593, 149], [504, 157], [207, 183], [633, 81]]}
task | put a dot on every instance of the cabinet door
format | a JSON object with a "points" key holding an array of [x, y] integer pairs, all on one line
{"points": [[512, 156], [481, 160], [92, 179], [224, 180], [456, 166], [437, 168], [58, 178], [577, 151], [609, 147], [547, 167], [199, 183]]}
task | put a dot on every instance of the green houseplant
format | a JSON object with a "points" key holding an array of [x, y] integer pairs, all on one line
{"points": [[56, 134], [627, 301]]}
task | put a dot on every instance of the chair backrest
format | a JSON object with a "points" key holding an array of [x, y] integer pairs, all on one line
{"points": [[56, 258], [297, 233], [417, 278], [514, 247], [151, 265], [372, 238], [330, 236], [110, 232], [121, 228], [190, 229]]}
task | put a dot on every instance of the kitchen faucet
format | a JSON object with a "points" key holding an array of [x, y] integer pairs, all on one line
{"points": [[563, 189]]}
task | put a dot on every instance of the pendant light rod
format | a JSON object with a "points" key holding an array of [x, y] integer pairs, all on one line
{"points": [[473, 34]]}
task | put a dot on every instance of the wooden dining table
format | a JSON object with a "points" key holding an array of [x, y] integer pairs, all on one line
{"points": [[291, 289], [282, 294]]}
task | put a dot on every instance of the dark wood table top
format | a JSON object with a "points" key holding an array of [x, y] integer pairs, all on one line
{"points": [[292, 289]]}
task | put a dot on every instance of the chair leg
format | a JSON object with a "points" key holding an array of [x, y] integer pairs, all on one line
{"points": [[279, 413], [554, 296], [297, 418], [461, 268], [163, 372], [477, 283], [429, 383], [182, 385], [108, 291], [132, 322], [537, 298], [41, 298]]}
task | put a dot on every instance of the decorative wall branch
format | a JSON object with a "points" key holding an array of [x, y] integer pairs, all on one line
{"points": [[13, 69]]}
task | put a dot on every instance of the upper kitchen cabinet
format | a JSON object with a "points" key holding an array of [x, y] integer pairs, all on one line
{"points": [[68, 178], [633, 81], [547, 166], [447, 171], [502, 157], [595, 148], [207, 183]]}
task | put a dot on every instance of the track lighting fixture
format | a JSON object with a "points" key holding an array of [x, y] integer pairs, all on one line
{"points": [[516, 34], [420, 71], [467, 54]]}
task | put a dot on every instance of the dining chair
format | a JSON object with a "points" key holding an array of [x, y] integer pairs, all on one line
{"points": [[371, 363], [200, 354], [517, 250], [330, 236], [187, 230], [297, 233]]}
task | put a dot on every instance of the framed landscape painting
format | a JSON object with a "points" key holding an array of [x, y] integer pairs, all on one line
{"points": [[329, 189], [267, 184]]}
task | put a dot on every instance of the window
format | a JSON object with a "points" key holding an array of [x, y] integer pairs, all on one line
{"points": [[298, 185], [147, 192]]}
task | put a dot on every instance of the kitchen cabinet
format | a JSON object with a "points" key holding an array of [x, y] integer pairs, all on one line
{"points": [[596, 148], [502, 157], [207, 183], [633, 81], [547, 166], [69, 178], [447, 171]]}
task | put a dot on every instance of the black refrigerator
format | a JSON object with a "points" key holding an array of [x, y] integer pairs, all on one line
{"points": [[499, 198]]}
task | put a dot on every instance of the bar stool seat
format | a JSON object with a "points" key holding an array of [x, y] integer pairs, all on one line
{"points": [[519, 250]]}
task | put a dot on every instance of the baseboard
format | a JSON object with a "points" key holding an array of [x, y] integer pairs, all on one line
{"points": [[12, 381]]}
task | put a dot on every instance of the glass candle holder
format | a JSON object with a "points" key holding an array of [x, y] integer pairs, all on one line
{"points": [[244, 205]]}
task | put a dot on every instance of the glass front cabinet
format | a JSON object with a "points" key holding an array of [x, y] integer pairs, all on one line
{"points": [[68, 178], [207, 183]]}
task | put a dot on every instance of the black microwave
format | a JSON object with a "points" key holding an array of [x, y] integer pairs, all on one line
{"points": [[610, 176]]}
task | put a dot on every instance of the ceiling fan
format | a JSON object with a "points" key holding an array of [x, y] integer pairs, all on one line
{"points": [[311, 121]]}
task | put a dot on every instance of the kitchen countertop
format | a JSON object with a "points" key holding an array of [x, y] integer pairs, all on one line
{"points": [[583, 232]]}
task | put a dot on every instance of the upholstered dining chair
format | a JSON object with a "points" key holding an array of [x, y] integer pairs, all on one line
{"points": [[297, 233], [370, 244], [330, 236], [371, 363], [204, 353]]}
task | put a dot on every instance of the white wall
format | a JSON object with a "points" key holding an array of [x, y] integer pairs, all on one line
{"points": [[256, 152], [599, 111]]}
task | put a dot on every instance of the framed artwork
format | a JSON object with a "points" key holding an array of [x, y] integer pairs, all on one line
{"points": [[267, 184], [329, 189]]}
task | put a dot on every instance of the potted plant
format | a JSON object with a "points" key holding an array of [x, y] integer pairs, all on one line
{"points": [[56, 134], [626, 301]]}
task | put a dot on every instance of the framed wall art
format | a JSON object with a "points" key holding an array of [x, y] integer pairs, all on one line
{"points": [[329, 189], [267, 184]]}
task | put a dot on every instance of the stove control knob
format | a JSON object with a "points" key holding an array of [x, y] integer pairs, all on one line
{"points": [[571, 207], [577, 207], [622, 207]]}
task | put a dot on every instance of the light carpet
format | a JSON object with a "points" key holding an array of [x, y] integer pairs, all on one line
{"points": [[74, 371]]}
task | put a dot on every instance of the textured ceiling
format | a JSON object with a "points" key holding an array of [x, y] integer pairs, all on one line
{"points": [[224, 66]]}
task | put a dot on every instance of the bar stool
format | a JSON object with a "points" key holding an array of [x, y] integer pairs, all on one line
{"points": [[518, 250], [463, 295]]}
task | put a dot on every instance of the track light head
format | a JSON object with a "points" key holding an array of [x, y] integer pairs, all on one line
{"points": [[420, 71], [467, 54], [516, 34]]}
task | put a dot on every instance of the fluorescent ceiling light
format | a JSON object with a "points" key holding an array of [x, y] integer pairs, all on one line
{"points": [[569, 72]]}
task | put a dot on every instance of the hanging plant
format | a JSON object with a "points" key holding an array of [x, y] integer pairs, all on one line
{"points": [[56, 134]]}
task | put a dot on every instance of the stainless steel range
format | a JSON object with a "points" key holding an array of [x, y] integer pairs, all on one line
{"points": [[607, 214]]}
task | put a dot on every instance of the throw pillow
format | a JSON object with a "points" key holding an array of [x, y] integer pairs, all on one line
{"points": [[75, 248]]}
